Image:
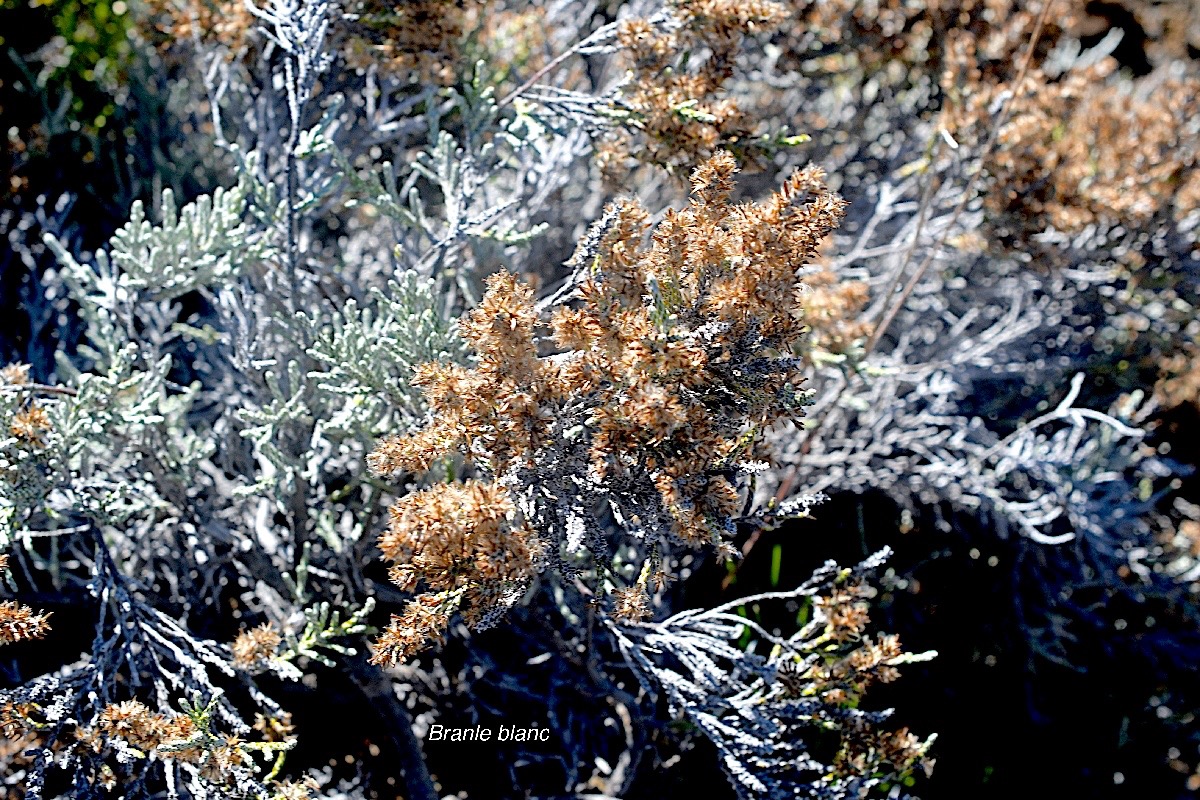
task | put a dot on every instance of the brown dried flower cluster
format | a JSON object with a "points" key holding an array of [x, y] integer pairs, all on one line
{"points": [[274, 729], [631, 604], [853, 662], [294, 790], [845, 611], [915, 34], [14, 375], [515, 42], [422, 36], [680, 114], [216, 756], [416, 36], [29, 424], [15, 718], [1086, 151], [1180, 382], [460, 543], [1076, 152], [16, 738], [668, 372], [132, 721], [839, 666], [726, 297], [424, 621], [1073, 151], [869, 751], [225, 22], [254, 647], [17, 622], [833, 310], [496, 411]]}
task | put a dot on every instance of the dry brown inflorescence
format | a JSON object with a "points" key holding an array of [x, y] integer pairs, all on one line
{"points": [[1089, 151], [833, 308], [915, 35], [225, 22], [132, 724], [254, 647], [27, 425], [679, 112], [1077, 152], [19, 623], [172, 737], [661, 378], [847, 664], [421, 37], [1092, 153]]}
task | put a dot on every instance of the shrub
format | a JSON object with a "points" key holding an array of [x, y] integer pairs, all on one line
{"points": [[370, 342]]}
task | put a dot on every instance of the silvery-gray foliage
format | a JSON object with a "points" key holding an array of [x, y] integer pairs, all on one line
{"points": [[764, 732], [977, 392], [206, 439], [244, 352]]}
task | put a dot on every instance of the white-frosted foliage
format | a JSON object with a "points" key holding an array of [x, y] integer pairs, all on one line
{"points": [[158, 481], [204, 244], [367, 354]]}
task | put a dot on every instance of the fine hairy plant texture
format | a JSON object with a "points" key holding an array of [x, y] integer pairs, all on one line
{"points": [[667, 373], [1018, 177], [764, 712], [470, 363], [193, 472]]}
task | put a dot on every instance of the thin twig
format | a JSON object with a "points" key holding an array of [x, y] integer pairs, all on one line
{"points": [[38, 388], [588, 41], [922, 217], [788, 481], [969, 189]]}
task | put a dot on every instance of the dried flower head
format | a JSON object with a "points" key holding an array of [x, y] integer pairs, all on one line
{"points": [[18, 623], [223, 22], [425, 620], [867, 750], [678, 112], [30, 424], [254, 647], [1076, 153], [845, 612], [133, 722], [676, 357], [421, 36], [16, 719], [462, 544], [14, 375], [217, 764], [632, 604], [274, 729], [832, 310], [294, 790]]}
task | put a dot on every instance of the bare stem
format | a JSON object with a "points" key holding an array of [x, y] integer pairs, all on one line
{"points": [[38, 388]]}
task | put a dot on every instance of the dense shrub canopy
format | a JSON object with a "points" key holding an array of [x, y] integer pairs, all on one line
{"points": [[377, 369]]}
